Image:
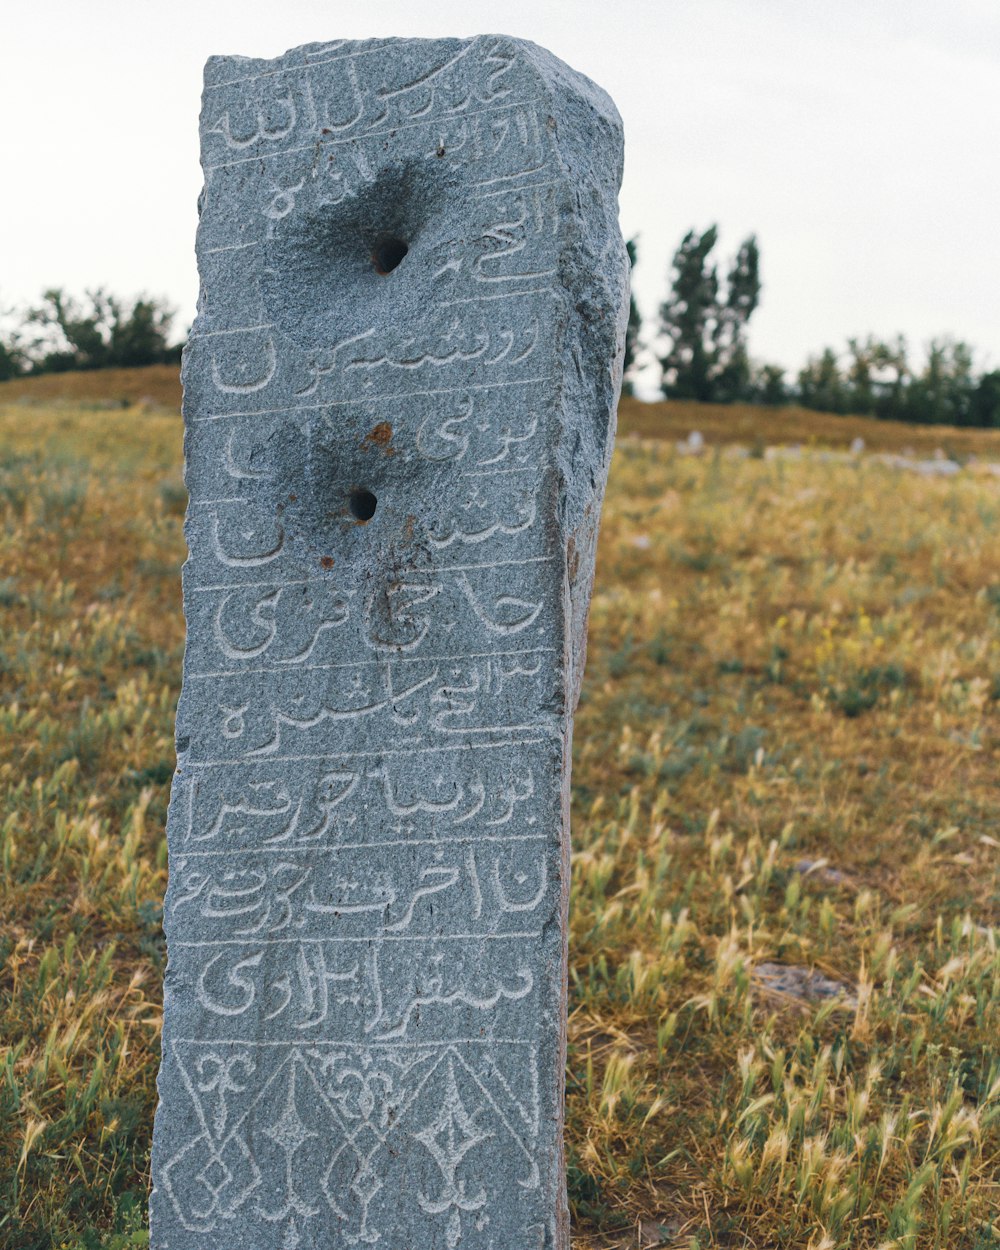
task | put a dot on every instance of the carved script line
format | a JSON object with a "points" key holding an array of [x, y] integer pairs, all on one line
{"points": [[325, 141], [521, 186], [299, 69], [511, 178]]}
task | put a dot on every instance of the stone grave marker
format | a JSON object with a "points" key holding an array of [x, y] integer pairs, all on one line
{"points": [[399, 400]]}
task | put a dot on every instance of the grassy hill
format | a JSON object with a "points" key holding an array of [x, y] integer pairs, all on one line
{"points": [[155, 386], [785, 982]]}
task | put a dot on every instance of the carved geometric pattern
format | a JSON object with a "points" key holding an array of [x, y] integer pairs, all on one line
{"points": [[356, 1109]]}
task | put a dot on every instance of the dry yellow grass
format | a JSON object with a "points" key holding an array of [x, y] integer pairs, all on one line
{"points": [[754, 426], [785, 780], [157, 386]]}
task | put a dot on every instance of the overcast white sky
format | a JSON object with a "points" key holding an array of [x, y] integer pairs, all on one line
{"points": [[859, 139]]}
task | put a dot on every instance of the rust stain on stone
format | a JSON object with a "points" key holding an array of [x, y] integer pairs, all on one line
{"points": [[380, 437]]}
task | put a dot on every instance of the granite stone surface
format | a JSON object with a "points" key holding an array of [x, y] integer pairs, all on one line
{"points": [[399, 403]]}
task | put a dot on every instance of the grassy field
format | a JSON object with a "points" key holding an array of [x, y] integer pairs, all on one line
{"points": [[785, 983]]}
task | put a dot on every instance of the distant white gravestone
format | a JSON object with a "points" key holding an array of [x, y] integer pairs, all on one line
{"points": [[399, 400]]}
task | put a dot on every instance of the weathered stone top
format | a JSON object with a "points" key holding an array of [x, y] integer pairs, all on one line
{"points": [[399, 406]]}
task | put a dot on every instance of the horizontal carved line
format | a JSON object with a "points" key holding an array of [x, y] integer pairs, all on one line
{"points": [[444, 568], [312, 1043], [481, 299], [325, 141], [351, 755], [356, 755], [410, 659], [471, 840], [459, 746], [233, 247], [523, 186], [520, 935], [370, 399], [214, 334]]}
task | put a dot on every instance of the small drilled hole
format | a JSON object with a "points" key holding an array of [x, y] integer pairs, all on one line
{"points": [[389, 251], [363, 504]]}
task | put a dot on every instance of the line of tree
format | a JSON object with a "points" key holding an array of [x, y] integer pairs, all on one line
{"points": [[700, 346], [98, 332], [875, 378]]}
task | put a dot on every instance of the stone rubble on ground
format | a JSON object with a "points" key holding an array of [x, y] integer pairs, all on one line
{"points": [[803, 983]]}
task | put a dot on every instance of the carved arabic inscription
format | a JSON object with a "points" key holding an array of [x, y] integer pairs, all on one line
{"points": [[363, 1038]]}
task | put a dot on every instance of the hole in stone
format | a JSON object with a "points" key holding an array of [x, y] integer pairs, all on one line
{"points": [[389, 251], [363, 504]]}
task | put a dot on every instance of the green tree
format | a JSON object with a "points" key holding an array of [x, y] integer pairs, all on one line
{"points": [[860, 375], [984, 404], [634, 326], [100, 332], [704, 327], [943, 392], [767, 385], [821, 385], [877, 376], [10, 363], [742, 298], [689, 320], [140, 334], [892, 373], [70, 336], [12, 355]]}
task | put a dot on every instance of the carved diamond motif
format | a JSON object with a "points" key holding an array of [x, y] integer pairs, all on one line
{"points": [[215, 1175], [367, 1182]]}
